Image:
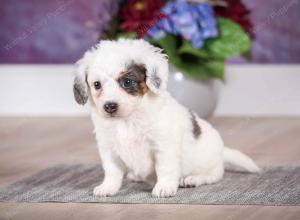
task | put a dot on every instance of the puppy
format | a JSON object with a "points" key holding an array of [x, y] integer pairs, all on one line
{"points": [[140, 129]]}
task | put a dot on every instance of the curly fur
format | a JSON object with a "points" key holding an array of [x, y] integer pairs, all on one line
{"points": [[150, 134]]}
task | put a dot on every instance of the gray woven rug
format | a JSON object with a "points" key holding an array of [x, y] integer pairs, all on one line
{"points": [[65, 183]]}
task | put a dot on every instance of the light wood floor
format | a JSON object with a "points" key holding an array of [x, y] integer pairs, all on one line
{"points": [[28, 145]]}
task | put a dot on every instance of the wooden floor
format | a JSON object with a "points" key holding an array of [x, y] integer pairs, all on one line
{"points": [[28, 145]]}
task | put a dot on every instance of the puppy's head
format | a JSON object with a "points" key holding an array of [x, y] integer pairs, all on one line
{"points": [[116, 75]]}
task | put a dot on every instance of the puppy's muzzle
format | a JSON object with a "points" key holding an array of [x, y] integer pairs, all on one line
{"points": [[110, 107]]}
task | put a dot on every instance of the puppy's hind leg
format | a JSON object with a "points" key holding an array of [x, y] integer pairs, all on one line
{"points": [[195, 180]]}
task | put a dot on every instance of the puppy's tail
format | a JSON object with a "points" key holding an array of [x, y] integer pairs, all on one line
{"points": [[236, 160]]}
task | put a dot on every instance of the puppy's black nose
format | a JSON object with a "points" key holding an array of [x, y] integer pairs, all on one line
{"points": [[110, 107]]}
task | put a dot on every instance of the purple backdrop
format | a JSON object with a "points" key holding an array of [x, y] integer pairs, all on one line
{"points": [[59, 31], [277, 31], [50, 31]]}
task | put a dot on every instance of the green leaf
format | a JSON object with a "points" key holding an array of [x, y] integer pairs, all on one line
{"points": [[201, 68], [215, 68], [130, 35], [187, 48], [247, 55], [195, 70], [168, 44], [232, 40]]}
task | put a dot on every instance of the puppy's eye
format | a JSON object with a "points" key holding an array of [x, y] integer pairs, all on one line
{"points": [[97, 85], [127, 83]]}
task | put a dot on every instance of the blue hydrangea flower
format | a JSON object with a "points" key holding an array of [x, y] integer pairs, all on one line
{"points": [[195, 22]]}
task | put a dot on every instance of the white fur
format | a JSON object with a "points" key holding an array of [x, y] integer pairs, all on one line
{"points": [[151, 134]]}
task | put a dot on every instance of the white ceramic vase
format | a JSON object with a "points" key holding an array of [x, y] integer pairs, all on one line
{"points": [[201, 96]]}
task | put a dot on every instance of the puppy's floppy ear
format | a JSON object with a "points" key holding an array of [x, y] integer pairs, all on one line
{"points": [[157, 70], [80, 87]]}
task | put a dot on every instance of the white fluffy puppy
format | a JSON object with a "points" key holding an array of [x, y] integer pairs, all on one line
{"points": [[140, 129]]}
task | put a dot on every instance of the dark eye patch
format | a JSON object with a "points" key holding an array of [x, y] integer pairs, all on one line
{"points": [[133, 80]]}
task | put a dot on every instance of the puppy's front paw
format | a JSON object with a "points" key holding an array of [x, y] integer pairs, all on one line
{"points": [[105, 190], [164, 190]]}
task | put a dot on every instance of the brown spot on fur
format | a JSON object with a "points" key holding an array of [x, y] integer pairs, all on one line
{"points": [[144, 88], [196, 127], [137, 74]]}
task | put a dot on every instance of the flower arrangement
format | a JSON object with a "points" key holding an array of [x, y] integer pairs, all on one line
{"points": [[197, 35]]}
